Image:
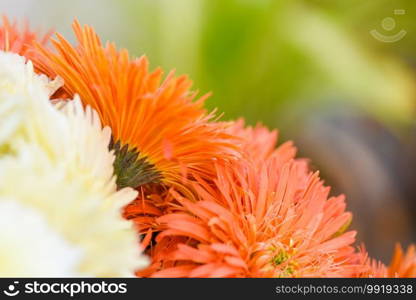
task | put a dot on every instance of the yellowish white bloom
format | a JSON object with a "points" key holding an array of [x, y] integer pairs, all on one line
{"points": [[21, 251], [57, 187]]}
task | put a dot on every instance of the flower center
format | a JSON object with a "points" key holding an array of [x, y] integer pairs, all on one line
{"points": [[131, 169]]}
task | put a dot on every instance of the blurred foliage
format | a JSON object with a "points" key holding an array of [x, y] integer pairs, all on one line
{"points": [[274, 60]]}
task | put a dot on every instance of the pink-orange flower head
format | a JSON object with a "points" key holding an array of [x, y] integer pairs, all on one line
{"points": [[159, 132], [255, 220], [20, 41]]}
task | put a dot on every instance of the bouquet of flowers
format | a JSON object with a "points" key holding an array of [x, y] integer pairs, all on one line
{"points": [[110, 169]]}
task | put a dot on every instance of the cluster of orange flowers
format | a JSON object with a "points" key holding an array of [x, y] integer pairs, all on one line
{"points": [[216, 199]]}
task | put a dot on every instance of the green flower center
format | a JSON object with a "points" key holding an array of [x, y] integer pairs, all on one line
{"points": [[131, 169]]}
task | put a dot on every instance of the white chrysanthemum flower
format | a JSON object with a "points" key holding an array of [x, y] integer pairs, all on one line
{"points": [[56, 164]]}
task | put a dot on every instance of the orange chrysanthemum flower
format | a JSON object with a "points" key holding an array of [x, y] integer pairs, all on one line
{"points": [[402, 265], [20, 41], [159, 132], [256, 143], [255, 220]]}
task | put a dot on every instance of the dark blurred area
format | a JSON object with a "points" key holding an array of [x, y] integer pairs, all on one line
{"points": [[337, 77], [360, 157]]}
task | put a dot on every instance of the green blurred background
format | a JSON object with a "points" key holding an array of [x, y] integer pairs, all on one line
{"points": [[310, 68]]}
